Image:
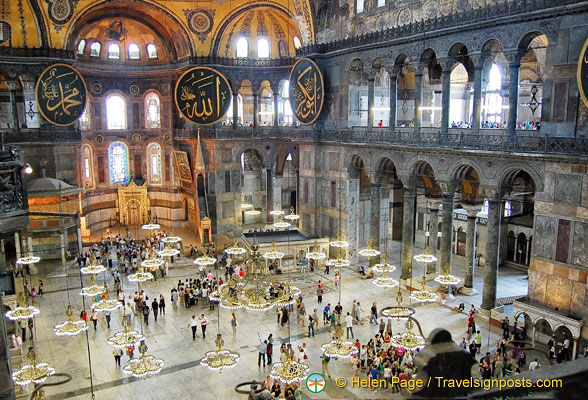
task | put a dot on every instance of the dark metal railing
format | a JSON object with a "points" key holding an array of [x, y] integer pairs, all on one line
{"points": [[36, 52], [509, 9], [242, 62]]}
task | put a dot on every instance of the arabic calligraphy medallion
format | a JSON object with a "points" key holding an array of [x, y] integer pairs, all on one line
{"points": [[306, 91], [203, 95], [61, 94]]}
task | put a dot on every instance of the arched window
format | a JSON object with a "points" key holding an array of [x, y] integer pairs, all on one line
{"points": [[134, 51], [81, 46], [507, 208], [154, 157], [116, 112], [297, 42], [151, 51], [242, 48], [152, 119], [114, 51], [263, 48], [118, 163], [85, 119], [381, 3], [95, 49], [359, 6], [87, 166], [493, 99]]}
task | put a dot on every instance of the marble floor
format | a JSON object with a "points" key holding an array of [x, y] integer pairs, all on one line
{"points": [[170, 337]]}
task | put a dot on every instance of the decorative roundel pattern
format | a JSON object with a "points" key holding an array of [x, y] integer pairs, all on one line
{"points": [[60, 11], [136, 138], [96, 88], [462, 4], [431, 11], [134, 90], [99, 139], [200, 22], [404, 17]]}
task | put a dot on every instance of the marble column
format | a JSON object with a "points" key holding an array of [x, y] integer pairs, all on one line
{"points": [[353, 218], [30, 103], [446, 232], [277, 193], [407, 232], [470, 254], [17, 245], [12, 85], [418, 94], [393, 97], [6, 385], [384, 217], [255, 109], [276, 116], [375, 196], [477, 106], [63, 243], [491, 256], [445, 99], [235, 109], [434, 231], [371, 94], [513, 98]]}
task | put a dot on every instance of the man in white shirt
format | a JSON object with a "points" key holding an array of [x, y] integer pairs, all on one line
{"points": [[534, 365], [194, 325], [349, 325], [203, 322]]}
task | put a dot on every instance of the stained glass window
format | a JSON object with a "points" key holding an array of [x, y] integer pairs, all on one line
{"points": [[116, 112], [152, 111], [154, 156], [118, 161], [85, 119], [87, 166], [134, 52]]}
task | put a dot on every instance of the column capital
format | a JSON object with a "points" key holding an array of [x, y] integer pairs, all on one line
{"points": [[370, 74], [491, 193], [448, 188], [434, 204], [514, 57], [446, 63], [472, 209], [12, 84], [478, 60]]}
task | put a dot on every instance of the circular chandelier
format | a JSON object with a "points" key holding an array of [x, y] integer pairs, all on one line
{"points": [[93, 268], [423, 295], [205, 261], [446, 278], [339, 243], [276, 212], [338, 262], [106, 304], [273, 254], [384, 280], [246, 206], [235, 250], [33, 372], [171, 239], [291, 370], [254, 296], [281, 225], [315, 254], [384, 266], [70, 327], [425, 258], [168, 251], [292, 217], [408, 340], [28, 260], [398, 312], [126, 338], [252, 211], [144, 365], [150, 226], [22, 311], [369, 251], [140, 275], [220, 358], [152, 263], [337, 348], [93, 289]]}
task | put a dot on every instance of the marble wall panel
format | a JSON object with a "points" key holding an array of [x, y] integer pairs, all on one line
{"points": [[578, 299], [544, 238], [580, 244], [558, 293], [537, 285], [568, 189]]}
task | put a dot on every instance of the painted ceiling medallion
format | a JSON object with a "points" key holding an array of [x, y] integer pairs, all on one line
{"points": [[134, 90], [200, 22], [61, 11]]}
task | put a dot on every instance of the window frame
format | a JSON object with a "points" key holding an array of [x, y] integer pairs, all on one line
{"points": [[87, 166], [296, 39], [148, 96], [242, 39], [154, 150], [149, 56], [83, 44], [92, 49], [110, 54], [138, 51], [267, 42], [108, 122], [357, 3], [126, 171]]}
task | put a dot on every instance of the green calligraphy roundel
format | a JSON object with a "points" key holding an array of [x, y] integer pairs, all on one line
{"points": [[306, 91], [582, 73], [203, 95], [61, 94]]}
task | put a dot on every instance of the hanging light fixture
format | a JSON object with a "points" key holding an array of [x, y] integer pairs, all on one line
{"points": [[152, 262], [398, 312], [22, 311], [235, 249], [292, 216], [408, 340], [281, 225], [205, 261], [28, 260], [93, 267], [140, 276], [169, 251], [125, 338], [93, 289], [144, 365], [171, 239], [384, 268], [423, 295], [276, 213], [291, 370], [446, 278], [315, 254], [274, 254], [33, 372], [369, 251], [220, 358], [337, 348], [70, 327], [150, 226], [106, 304], [338, 262]]}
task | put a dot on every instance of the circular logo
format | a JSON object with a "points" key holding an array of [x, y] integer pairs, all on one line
{"points": [[316, 383], [200, 22], [61, 94], [203, 95], [306, 91]]}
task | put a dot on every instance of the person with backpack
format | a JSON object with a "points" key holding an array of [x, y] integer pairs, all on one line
{"points": [[325, 365], [146, 313]]}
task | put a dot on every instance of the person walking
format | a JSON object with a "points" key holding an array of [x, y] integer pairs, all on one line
{"points": [[310, 325], [30, 325], [23, 329], [94, 318], [174, 298], [349, 325], [319, 294], [262, 350], [478, 339], [358, 311], [270, 348], [117, 355], [155, 308], [326, 313], [234, 323], [203, 322], [194, 325], [325, 365], [161, 305], [146, 313], [374, 314], [107, 316]]}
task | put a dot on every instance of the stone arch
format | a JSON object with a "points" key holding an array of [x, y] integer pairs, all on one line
{"points": [[355, 164], [401, 59], [469, 182], [528, 38], [250, 147], [356, 64], [508, 173], [279, 156], [423, 174], [385, 170]]}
